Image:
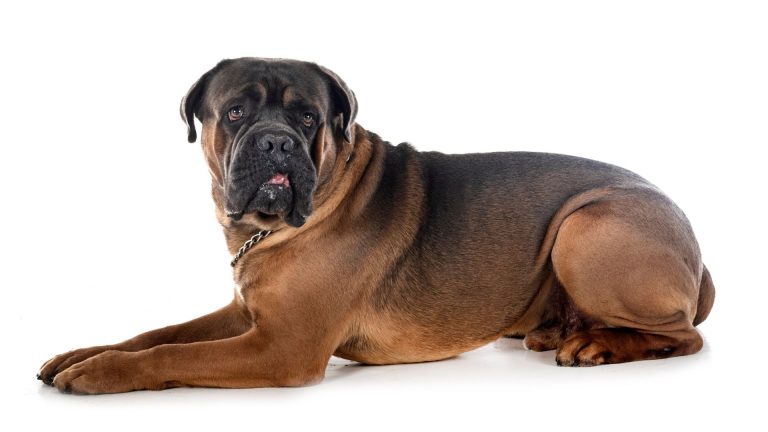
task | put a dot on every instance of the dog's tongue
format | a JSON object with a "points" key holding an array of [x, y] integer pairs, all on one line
{"points": [[279, 179]]}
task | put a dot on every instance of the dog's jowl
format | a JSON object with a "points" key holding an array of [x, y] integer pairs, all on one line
{"points": [[346, 245]]}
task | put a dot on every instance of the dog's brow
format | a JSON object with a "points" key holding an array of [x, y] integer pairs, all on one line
{"points": [[293, 99], [254, 90], [288, 95], [298, 104]]}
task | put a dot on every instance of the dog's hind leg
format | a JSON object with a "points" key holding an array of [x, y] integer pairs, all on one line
{"points": [[631, 266]]}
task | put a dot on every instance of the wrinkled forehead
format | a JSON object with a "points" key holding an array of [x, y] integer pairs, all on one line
{"points": [[273, 82]]}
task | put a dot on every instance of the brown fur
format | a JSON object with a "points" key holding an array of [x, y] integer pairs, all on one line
{"points": [[615, 275]]}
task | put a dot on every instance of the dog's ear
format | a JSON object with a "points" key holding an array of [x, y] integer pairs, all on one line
{"points": [[190, 103], [343, 100]]}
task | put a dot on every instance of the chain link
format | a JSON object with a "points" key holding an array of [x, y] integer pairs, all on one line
{"points": [[259, 236]]}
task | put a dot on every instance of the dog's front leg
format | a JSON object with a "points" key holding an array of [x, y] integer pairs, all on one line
{"points": [[229, 321], [257, 358]]}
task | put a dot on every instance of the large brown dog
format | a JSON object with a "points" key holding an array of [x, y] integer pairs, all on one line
{"points": [[350, 246]]}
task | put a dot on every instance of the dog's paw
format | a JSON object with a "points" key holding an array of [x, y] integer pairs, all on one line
{"points": [[108, 372], [543, 339], [61, 362], [614, 345], [583, 349]]}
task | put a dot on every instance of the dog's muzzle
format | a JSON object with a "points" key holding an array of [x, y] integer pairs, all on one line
{"points": [[271, 172]]}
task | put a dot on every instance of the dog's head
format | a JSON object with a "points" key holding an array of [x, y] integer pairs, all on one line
{"points": [[272, 130]]}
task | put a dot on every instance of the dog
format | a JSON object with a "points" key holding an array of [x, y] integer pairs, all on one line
{"points": [[344, 244]]}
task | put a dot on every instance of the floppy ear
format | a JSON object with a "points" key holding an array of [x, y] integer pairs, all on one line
{"points": [[190, 104], [343, 99]]}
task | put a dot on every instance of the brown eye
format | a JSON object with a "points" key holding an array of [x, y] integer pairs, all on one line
{"points": [[235, 113], [308, 119]]}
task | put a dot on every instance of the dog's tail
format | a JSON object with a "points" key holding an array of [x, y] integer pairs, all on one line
{"points": [[706, 298]]}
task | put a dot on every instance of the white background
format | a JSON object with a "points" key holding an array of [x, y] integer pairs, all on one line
{"points": [[108, 228]]}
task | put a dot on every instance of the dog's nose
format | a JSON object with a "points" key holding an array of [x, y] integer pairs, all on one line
{"points": [[278, 145]]}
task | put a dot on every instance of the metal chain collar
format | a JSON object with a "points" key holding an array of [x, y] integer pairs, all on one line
{"points": [[259, 236]]}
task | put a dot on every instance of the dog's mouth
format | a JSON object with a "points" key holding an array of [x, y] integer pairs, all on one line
{"points": [[273, 198], [269, 190], [278, 179]]}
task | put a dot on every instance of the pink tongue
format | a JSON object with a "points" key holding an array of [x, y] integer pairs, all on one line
{"points": [[279, 179]]}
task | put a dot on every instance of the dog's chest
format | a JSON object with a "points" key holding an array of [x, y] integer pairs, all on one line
{"points": [[239, 292]]}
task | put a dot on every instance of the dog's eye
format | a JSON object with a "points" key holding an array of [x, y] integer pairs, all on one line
{"points": [[235, 113], [308, 119]]}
